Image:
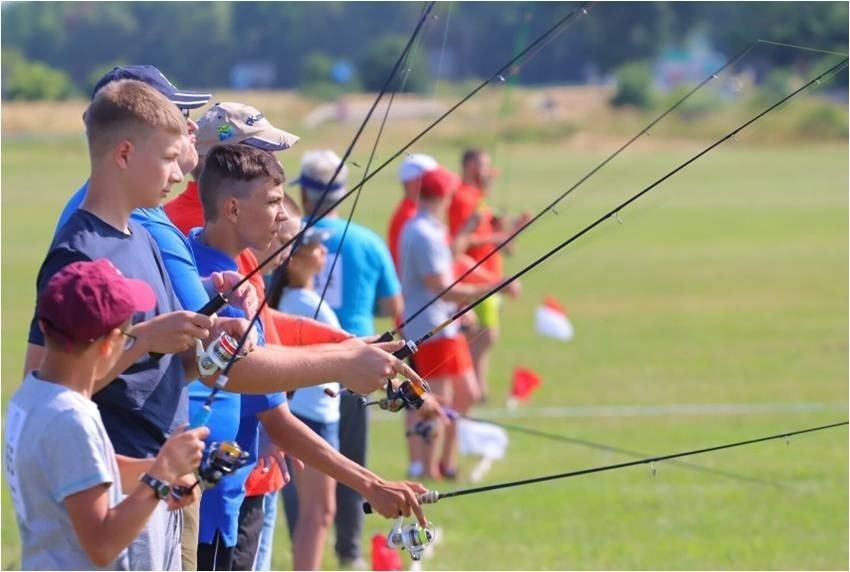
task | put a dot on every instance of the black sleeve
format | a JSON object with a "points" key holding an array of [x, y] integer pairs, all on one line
{"points": [[56, 260]]}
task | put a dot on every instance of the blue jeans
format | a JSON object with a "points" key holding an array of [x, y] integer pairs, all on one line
{"points": [[263, 561]]}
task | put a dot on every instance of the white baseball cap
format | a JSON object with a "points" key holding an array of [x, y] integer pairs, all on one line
{"points": [[416, 165]]}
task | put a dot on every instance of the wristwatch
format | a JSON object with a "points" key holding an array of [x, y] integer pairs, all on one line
{"points": [[159, 487]]}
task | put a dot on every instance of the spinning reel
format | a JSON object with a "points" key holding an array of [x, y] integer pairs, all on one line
{"points": [[220, 460], [411, 536], [217, 355], [406, 396]]}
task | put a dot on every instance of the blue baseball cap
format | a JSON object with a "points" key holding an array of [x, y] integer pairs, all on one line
{"points": [[155, 78]]}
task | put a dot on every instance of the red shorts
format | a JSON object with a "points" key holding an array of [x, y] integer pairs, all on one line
{"points": [[443, 357]]}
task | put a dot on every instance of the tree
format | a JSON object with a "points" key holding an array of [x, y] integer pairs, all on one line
{"points": [[29, 80], [380, 58]]}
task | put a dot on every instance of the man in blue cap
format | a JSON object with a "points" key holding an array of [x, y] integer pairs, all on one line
{"points": [[184, 100]]}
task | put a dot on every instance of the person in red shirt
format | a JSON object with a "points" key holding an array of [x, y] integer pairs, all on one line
{"points": [[475, 231], [410, 173]]}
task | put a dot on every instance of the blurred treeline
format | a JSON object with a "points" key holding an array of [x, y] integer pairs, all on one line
{"points": [[61, 48]]}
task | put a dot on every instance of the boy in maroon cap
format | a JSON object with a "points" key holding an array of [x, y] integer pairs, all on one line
{"points": [[65, 478]]}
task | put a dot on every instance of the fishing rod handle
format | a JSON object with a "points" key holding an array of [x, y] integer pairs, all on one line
{"points": [[201, 417], [215, 304], [385, 337], [430, 497], [408, 350]]}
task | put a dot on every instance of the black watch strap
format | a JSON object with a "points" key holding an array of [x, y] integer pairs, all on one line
{"points": [[159, 487]]}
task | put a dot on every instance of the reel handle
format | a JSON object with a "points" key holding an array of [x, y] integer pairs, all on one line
{"points": [[215, 304]]}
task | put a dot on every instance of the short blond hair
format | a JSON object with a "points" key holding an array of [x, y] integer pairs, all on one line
{"points": [[127, 108]]}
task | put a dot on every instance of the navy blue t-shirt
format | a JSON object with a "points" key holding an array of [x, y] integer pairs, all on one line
{"points": [[142, 406]]}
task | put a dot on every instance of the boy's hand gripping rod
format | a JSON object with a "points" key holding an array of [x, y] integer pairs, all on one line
{"points": [[434, 496]]}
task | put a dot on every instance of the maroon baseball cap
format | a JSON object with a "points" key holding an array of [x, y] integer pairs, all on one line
{"points": [[86, 300], [438, 183]]}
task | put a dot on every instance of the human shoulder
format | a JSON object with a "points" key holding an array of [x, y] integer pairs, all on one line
{"points": [[82, 229], [367, 235]]}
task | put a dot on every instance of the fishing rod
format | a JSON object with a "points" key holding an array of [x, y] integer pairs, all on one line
{"points": [[613, 449], [434, 496], [408, 394], [224, 458], [220, 299], [399, 87], [412, 345], [390, 334], [228, 353]]}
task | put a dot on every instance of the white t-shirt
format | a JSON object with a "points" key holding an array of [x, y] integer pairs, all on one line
{"points": [[54, 446], [312, 402]]}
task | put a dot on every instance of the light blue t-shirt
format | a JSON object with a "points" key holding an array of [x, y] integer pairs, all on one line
{"points": [[363, 274], [55, 445], [312, 402]]}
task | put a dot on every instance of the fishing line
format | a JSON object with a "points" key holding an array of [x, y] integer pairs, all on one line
{"points": [[805, 48], [615, 449], [434, 496]]}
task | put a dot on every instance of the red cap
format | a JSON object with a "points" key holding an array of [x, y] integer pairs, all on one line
{"points": [[438, 183], [86, 300]]}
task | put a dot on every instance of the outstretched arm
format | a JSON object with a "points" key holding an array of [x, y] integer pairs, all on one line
{"points": [[389, 498]]}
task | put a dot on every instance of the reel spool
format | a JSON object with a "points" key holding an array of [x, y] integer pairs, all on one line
{"points": [[411, 537], [406, 396], [220, 460], [217, 355]]}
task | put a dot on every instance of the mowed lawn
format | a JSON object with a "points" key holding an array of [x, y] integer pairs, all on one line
{"points": [[725, 285]]}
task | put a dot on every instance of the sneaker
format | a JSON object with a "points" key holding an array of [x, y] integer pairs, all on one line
{"points": [[415, 470], [353, 564], [448, 473]]}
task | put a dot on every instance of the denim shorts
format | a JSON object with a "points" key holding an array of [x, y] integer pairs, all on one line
{"points": [[327, 431]]}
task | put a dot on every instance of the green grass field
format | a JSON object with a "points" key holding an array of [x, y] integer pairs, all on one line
{"points": [[728, 284]]}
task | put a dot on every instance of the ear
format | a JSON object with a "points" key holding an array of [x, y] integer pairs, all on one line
{"points": [[108, 344], [230, 209], [122, 152]]}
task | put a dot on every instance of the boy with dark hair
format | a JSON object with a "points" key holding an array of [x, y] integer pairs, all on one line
{"points": [[65, 478], [241, 189]]}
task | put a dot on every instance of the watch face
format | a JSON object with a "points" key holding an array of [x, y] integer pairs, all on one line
{"points": [[160, 488]]}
